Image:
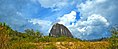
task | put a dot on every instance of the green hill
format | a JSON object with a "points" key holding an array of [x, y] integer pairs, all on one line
{"points": [[30, 39]]}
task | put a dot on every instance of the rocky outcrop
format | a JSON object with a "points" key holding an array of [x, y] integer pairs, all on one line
{"points": [[59, 30]]}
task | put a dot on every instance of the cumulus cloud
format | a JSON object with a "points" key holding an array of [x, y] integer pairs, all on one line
{"points": [[67, 18], [106, 8], [94, 24], [96, 17]]}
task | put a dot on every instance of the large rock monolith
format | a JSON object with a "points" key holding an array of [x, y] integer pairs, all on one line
{"points": [[58, 30]]}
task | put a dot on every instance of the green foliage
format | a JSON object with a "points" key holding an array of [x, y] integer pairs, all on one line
{"points": [[114, 31], [31, 32], [114, 39], [59, 39], [10, 39]]}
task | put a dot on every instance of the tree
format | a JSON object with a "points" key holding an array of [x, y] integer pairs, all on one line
{"points": [[114, 39], [31, 32], [38, 34], [114, 31]]}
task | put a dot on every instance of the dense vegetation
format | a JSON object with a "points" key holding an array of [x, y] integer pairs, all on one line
{"points": [[30, 39]]}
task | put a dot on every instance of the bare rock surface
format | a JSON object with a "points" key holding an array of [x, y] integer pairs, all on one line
{"points": [[58, 30]]}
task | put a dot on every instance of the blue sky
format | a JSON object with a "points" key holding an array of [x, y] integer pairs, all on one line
{"points": [[86, 19]]}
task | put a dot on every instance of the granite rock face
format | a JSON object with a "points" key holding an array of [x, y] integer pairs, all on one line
{"points": [[58, 30]]}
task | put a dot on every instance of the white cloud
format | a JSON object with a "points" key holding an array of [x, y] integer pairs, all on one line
{"points": [[95, 26], [57, 5], [43, 24], [67, 18], [106, 8], [40, 22], [100, 1], [48, 3], [96, 17]]}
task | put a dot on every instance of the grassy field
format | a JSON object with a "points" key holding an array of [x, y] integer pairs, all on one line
{"points": [[71, 45]]}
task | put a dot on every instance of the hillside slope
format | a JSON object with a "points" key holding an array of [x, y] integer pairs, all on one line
{"points": [[10, 39]]}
